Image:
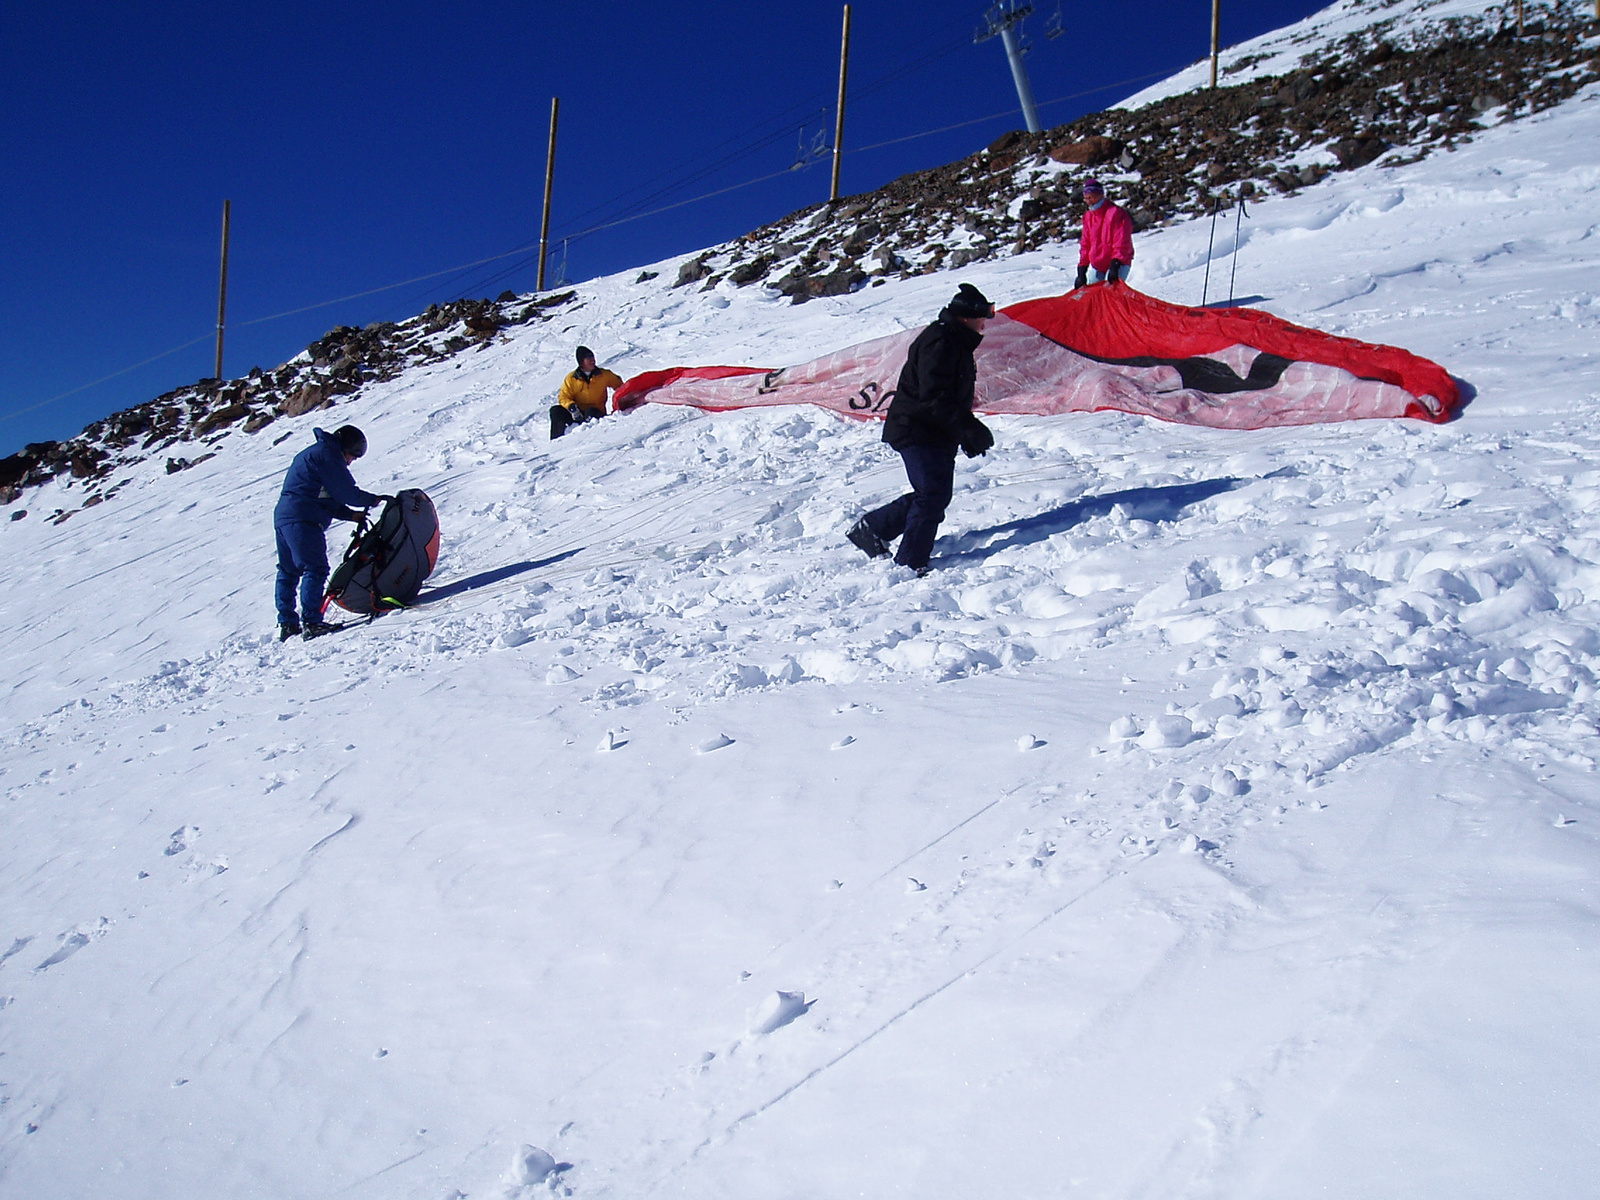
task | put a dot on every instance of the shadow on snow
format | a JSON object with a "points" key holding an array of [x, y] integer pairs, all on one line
{"points": [[484, 578], [1143, 504]]}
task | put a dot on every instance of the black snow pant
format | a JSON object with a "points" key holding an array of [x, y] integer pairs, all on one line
{"points": [[562, 417], [914, 518]]}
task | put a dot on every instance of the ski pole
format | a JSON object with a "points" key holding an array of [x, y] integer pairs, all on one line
{"points": [[1234, 274], [1205, 288]]}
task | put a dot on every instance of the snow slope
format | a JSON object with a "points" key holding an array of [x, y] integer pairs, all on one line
{"points": [[1218, 820]]}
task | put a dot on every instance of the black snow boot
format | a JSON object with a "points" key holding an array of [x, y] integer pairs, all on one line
{"points": [[288, 630], [866, 541], [315, 628]]}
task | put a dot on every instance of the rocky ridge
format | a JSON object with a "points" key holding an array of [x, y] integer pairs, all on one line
{"points": [[188, 423], [1390, 93]]}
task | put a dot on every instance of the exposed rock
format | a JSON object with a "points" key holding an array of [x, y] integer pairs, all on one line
{"points": [[88, 463], [1090, 152], [692, 271], [751, 271], [1006, 142], [1358, 152], [309, 397], [222, 417]]}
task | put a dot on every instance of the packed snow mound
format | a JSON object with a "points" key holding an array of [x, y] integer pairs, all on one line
{"points": [[1105, 346]]}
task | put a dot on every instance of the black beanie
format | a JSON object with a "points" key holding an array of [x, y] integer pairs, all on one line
{"points": [[970, 302], [351, 440], [583, 353]]}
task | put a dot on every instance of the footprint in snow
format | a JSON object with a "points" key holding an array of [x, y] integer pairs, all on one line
{"points": [[846, 740], [74, 940], [714, 743], [611, 741], [181, 839], [16, 947], [196, 868]]}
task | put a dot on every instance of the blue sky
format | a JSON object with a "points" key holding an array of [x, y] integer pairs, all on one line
{"points": [[366, 144]]}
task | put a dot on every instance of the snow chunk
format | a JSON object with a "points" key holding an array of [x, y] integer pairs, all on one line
{"points": [[529, 1165], [778, 1010], [1167, 732], [1124, 728]]}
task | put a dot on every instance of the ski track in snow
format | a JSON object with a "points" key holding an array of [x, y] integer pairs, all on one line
{"points": [[1223, 803]]}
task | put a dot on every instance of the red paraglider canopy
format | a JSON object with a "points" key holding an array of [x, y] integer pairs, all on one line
{"points": [[1107, 347]]}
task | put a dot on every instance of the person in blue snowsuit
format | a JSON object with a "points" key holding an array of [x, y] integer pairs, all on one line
{"points": [[317, 491]]}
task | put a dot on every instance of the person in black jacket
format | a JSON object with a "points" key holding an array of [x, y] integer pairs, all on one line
{"points": [[929, 419]]}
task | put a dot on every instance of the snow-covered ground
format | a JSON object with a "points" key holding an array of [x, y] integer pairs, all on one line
{"points": [[1218, 820]]}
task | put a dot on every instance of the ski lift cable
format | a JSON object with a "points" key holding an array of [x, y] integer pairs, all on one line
{"points": [[858, 92], [1009, 112], [632, 212], [205, 337], [859, 150], [572, 237]]}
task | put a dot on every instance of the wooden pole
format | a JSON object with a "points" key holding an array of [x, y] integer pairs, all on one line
{"points": [[222, 290], [838, 127], [1519, 18], [549, 183], [1216, 38]]}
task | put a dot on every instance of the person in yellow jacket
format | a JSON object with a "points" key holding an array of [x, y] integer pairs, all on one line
{"points": [[583, 394]]}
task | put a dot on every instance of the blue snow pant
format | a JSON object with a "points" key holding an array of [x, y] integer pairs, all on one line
{"points": [[303, 560], [914, 518]]}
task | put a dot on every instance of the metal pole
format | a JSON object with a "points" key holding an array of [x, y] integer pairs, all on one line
{"points": [[222, 289], [1019, 75], [1205, 287], [549, 183], [838, 128], [1216, 38], [1235, 272]]}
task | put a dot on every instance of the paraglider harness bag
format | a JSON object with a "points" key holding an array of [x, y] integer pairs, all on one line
{"points": [[387, 561]]}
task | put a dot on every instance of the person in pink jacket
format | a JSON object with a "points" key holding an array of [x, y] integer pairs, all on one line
{"points": [[1106, 247]]}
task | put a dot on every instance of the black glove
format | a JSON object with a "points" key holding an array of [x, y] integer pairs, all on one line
{"points": [[1111, 271], [976, 439], [1083, 276]]}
